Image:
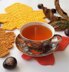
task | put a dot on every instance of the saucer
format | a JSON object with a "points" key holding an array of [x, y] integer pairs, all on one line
{"points": [[20, 45]]}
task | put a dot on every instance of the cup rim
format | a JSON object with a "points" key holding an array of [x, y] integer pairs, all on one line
{"points": [[33, 23]]}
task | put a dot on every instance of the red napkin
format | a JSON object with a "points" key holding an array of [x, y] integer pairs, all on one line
{"points": [[63, 44], [49, 59]]}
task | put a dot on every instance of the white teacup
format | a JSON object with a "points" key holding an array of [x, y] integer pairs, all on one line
{"points": [[38, 46]]}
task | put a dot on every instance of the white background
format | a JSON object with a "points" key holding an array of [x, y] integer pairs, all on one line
{"points": [[61, 58]]}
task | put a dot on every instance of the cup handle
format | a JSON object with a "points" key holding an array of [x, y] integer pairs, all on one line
{"points": [[56, 39]]}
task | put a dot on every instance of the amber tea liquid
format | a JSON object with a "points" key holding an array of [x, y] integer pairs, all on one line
{"points": [[37, 32]]}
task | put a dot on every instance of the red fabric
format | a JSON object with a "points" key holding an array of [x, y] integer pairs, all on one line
{"points": [[46, 60], [49, 60], [63, 44], [26, 57]]}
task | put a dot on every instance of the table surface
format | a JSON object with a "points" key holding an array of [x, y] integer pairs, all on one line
{"points": [[61, 58]]}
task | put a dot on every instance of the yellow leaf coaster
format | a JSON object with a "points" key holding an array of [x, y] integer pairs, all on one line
{"points": [[16, 7], [6, 42], [19, 14]]}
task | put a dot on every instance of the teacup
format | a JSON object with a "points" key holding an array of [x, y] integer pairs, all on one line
{"points": [[37, 47]]}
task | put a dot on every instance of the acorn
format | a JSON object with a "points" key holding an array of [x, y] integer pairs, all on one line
{"points": [[53, 10], [40, 6], [10, 63], [66, 32]]}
